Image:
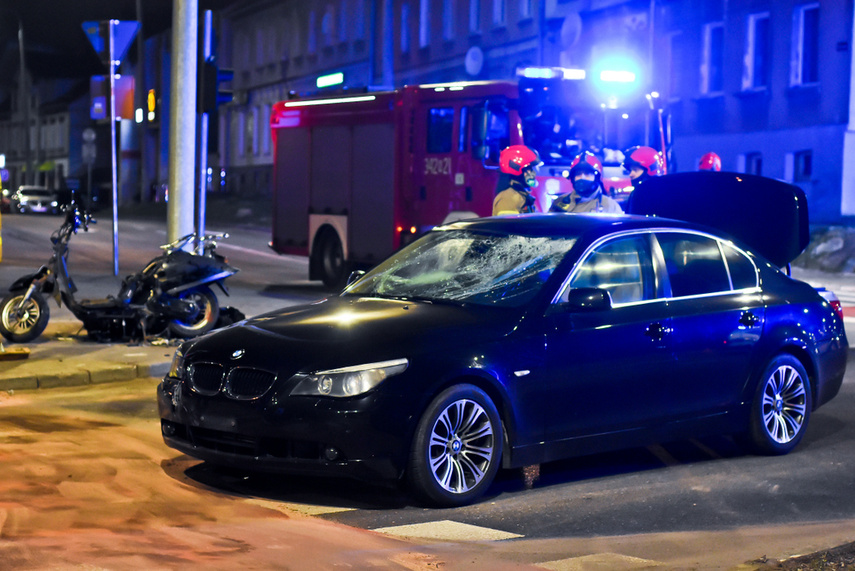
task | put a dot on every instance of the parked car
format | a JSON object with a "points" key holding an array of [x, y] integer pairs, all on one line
{"points": [[511, 341], [38, 199]]}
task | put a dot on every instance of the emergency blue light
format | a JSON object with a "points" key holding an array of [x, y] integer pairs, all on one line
{"points": [[551, 73], [617, 75], [330, 80]]}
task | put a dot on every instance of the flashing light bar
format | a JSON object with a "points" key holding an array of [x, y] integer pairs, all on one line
{"points": [[551, 73], [617, 76], [332, 101], [330, 80]]}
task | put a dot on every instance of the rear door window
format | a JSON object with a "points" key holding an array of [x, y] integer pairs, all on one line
{"points": [[694, 263]]}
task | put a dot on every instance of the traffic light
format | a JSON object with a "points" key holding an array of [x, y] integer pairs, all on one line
{"points": [[211, 94]]}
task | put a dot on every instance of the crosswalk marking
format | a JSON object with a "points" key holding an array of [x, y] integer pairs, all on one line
{"points": [[449, 531], [600, 561], [305, 509]]}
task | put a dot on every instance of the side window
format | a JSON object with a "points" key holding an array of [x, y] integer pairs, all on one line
{"points": [[622, 267], [694, 263], [743, 275], [440, 125]]}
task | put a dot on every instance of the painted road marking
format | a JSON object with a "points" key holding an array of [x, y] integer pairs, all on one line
{"points": [[449, 531], [305, 509], [600, 561]]}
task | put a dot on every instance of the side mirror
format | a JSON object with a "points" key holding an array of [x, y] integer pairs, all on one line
{"points": [[354, 277], [586, 299]]}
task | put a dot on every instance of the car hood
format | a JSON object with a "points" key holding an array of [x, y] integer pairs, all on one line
{"points": [[346, 330]]}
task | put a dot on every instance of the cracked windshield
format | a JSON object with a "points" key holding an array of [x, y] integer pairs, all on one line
{"points": [[466, 267]]}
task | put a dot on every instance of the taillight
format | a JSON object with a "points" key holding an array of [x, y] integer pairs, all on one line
{"points": [[838, 307]]}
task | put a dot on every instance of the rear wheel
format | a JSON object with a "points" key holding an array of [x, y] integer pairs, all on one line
{"points": [[457, 447], [332, 262], [781, 407], [209, 311], [23, 323]]}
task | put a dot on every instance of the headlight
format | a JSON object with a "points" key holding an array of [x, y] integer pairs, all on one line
{"points": [[347, 381], [176, 370]]}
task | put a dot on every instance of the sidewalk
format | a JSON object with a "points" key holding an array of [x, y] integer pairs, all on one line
{"points": [[63, 357]]}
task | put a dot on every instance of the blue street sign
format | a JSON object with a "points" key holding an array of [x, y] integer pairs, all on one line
{"points": [[99, 36]]}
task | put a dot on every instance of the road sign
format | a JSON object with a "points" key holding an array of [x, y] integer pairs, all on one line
{"points": [[99, 35]]}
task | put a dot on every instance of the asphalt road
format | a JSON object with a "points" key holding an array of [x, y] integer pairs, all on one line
{"points": [[86, 467]]}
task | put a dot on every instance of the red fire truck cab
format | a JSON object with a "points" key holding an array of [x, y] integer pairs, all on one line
{"points": [[358, 175]]}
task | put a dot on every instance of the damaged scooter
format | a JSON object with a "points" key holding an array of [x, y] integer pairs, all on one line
{"points": [[171, 296]]}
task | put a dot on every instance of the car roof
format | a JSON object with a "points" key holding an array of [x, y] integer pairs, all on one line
{"points": [[571, 225]]}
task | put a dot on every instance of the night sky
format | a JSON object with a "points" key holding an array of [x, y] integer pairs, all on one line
{"points": [[56, 45]]}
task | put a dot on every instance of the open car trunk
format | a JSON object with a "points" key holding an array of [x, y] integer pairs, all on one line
{"points": [[770, 216]]}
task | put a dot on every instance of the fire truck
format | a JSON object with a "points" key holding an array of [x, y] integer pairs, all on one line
{"points": [[357, 175]]}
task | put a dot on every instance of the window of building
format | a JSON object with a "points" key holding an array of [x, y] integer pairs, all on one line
{"points": [[804, 59], [475, 16], [525, 9], [328, 23], [252, 132], [440, 124], [424, 23], [265, 129], [712, 69], [312, 35], [241, 132], [342, 21], [405, 28], [259, 46], [756, 72], [802, 166], [675, 63], [754, 163], [448, 19], [359, 20], [295, 39], [498, 12]]}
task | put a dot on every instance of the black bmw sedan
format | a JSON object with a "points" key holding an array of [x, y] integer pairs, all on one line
{"points": [[510, 341]]}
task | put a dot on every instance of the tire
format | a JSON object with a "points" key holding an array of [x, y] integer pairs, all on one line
{"points": [[209, 312], [27, 324], [781, 407], [332, 263], [457, 447]]}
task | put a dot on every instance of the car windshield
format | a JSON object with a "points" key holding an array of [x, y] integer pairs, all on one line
{"points": [[36, 192], [462, 266]]}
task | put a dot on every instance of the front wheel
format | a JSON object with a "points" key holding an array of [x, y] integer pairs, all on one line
{"points": [[206, 317], [457, 447], [23, 322], [781, 407], [333, 265]]}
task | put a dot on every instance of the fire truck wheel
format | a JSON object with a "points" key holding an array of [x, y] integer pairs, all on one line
{"points": [[333, 267]]}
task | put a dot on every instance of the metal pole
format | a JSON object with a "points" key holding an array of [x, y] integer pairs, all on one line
{"points": [[182, 118], [203, 178], [113, 146], [24, 104]]}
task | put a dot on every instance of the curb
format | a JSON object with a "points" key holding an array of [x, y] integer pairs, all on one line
{"points": [[65, 357]]}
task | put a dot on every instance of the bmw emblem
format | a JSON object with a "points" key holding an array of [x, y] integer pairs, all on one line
{"points": [[238, 354]]}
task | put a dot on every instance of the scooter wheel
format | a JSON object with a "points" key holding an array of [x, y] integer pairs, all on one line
{"points": [[25, 323], [209, 312]]}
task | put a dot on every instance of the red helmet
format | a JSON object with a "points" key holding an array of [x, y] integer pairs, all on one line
{"points": [[644, 157], [585, 160], [514, 159], [710, 162]]}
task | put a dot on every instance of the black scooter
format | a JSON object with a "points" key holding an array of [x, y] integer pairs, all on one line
{"points": [[171, 295]]}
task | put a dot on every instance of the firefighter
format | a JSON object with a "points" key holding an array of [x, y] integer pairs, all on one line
{"points": [[710, 162], [642, 163], [520, 164], [587, 195]]}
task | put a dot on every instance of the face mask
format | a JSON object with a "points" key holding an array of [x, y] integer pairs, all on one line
{"points": [[530, 178], [585, 188]]}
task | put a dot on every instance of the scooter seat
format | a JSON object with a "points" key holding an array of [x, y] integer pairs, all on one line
{"points": [[105, 303]]}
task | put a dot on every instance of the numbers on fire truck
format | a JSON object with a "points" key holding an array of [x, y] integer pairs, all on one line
{"points": [[435, 165]]}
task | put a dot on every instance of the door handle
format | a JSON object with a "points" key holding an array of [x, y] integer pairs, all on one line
{"points": [[656, 331], [748, 319]]}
